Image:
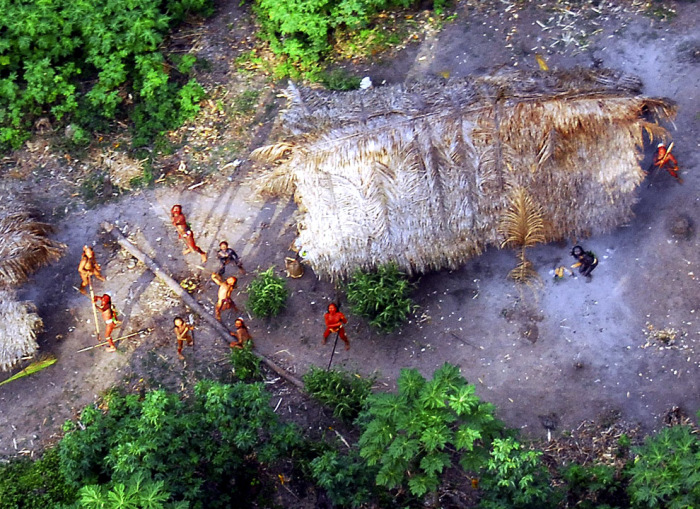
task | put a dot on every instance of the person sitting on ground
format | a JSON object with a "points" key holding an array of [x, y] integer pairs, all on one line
{"points": [[664, 160], [334, 323], [88, 267], [586, 261], [183, 335], [185, 232], [224, 301], [241, 334], [227, 255]]}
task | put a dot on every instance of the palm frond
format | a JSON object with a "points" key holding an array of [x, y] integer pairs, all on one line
{"points": [[522, 224], [273, 153]]}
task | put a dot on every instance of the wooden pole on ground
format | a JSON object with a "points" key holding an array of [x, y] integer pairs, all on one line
{"points": [[190, 302]]}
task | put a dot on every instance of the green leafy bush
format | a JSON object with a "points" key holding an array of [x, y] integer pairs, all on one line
{"points": [[246, 365], [346, 478], [89, 60], [267, 294], [139, 492], [36, 484], [345, 393], [302, 31], [381, 296], [666, 471], [515, 478], [594, 487], [206, 450], [340, 79], [411, 435]]}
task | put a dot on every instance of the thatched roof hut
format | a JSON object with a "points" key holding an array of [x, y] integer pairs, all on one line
{"points": [[19, 325], [421, 174], [24, 247]]}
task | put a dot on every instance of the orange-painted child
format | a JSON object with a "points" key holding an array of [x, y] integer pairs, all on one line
{"points": [[241, 334], [183, 335], [224, 300]]}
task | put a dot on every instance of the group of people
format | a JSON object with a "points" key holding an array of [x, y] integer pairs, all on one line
{"points": [[226, 256], [334, 319]]}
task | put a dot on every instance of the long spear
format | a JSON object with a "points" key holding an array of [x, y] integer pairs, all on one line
{"points": [[94, 308], [142, 331]]}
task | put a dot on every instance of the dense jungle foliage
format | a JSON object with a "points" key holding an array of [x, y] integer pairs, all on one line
{"points": [[225, 445], [87, 62], [303, 31]]}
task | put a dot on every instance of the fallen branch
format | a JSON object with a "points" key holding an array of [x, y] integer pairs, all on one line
{"points": [[189, 301]]}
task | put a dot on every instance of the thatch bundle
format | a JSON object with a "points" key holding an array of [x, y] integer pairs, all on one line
{"points": [[19, 325], [422, 174], [24, 245]]}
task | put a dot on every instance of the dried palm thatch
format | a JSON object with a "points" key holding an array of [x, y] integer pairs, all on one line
{"points": [[523, 227], [24, 245], [419, 173], [19, 325]]}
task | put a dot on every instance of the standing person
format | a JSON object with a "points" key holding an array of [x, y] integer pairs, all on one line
{"points": [[227, 255], [334, 323], [109, 315], [88, 267], [586, 261], [185, 232], [664, 160], [224, 301], [241, 334], [183, 335]]}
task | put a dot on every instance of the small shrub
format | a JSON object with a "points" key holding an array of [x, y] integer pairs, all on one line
{"points": [[340, 79], [244, 104], [246, 365], [344, 392], [381, 296], [666, 471], [346, 478], [267, 294], [412, 436], [136, 493], [515, 478], [35, 484], [589, 487]]}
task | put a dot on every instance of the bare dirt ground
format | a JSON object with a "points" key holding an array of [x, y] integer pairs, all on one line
{"points": [[576, 349]]}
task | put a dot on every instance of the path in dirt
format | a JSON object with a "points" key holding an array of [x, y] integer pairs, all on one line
{"points": [[572, 349]]}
